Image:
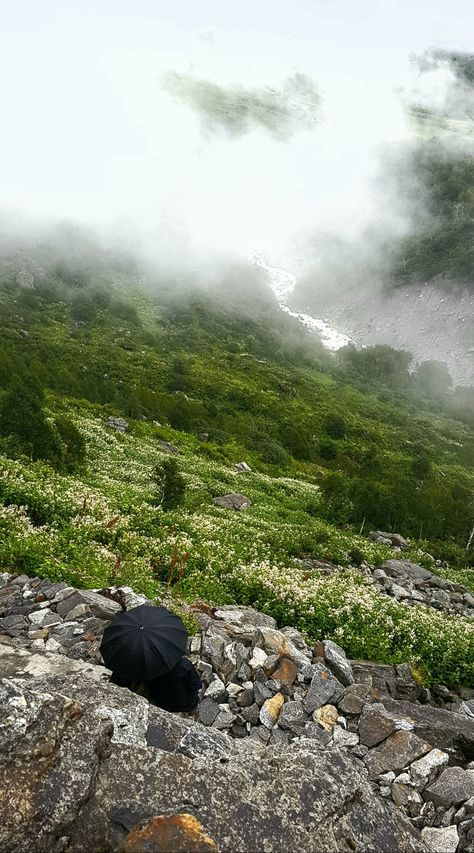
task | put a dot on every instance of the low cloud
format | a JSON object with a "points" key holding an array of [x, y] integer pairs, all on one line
{"points": [[449, 106], [236, 110]]}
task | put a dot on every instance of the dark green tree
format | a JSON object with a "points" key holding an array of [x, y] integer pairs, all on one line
{"points": [[336, 505], [433, 379], [328, 449], [6, 366], [73, 444], [335, 426], [380, 364], [22, 418], [297, 440], [83, 307], [170, 484], [178, 379]]}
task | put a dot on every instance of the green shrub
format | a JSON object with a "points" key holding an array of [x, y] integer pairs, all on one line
{"points": [[178, 378], [219, 436], [272, 452], [297, 440], [356, 556], [123, 310], [421, 467], [83, 307], [335, 426], [328, 449], [343, 607]]}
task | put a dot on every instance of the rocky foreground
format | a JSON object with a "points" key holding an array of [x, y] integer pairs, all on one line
{"points": [[291, 747]]}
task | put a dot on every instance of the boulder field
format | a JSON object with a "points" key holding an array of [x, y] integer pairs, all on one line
{"points": [[291, 747]]}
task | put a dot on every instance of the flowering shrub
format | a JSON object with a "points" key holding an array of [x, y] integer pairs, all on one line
{"points": [[345, 608], [103, 527]]}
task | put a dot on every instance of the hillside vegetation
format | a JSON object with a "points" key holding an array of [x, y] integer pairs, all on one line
{"points": [[224, 380]]}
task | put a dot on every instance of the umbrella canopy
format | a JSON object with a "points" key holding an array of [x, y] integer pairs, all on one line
{"points": [[144, 642]]}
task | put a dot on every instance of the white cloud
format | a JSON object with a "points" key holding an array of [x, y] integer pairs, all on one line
{"points": [[88, 131]]}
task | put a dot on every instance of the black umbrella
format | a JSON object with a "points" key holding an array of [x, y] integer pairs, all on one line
{"points": [[144, 642]]}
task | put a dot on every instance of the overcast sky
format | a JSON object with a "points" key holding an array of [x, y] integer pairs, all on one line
{"points": [[89, 131]]}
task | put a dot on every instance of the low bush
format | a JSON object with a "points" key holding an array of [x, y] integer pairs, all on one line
{"points": [[346, 609]]}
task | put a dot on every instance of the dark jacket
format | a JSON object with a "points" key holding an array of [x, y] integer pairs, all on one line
{"points": [[174, 691]]}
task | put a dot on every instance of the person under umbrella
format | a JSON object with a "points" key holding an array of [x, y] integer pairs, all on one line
{"points": [[146, 646]]}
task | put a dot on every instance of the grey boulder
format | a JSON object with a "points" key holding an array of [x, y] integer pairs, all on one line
{"points": [[68, 780], [233, 501], [323, 690]]}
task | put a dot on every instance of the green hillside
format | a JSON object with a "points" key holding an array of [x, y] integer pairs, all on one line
{"points": [[224, 377]]}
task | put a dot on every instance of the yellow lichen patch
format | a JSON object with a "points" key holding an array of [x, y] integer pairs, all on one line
{"points": [[18, 794], [270, 710], [177, 833], [326, 716]]}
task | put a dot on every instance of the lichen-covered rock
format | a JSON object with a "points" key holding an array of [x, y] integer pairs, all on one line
{"points": [[375, 724], [394, 539], [259, 656], [323, 690], [118, 424], [244, 616], [242, 468], [453, 787], [216, 691], [441, 840], [270, 710], [293, 717], [397, 568], [78, 788], [275, 643], [233, 501], [16, 662], [251, 714], [395, 753], [342, 737], [224, 719], [198, 741], [58, 749], [425, 769], [355, 697], [445, 730], [296, 797], [326, 716], [208, 711], [167, 447], [286, 671], [335, 658]]}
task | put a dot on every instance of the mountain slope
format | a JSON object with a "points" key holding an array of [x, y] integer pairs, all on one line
{"points": [[428, 320], [203, 384]]}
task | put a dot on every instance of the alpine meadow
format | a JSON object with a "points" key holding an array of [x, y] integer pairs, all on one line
{"points": [[336, 447]]}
